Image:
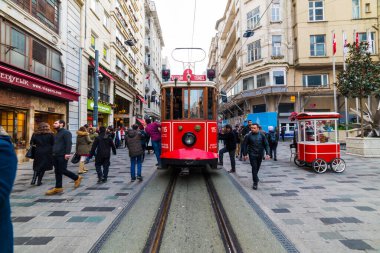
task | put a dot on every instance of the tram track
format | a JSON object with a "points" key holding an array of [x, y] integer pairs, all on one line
{"points": [[228, 236]]}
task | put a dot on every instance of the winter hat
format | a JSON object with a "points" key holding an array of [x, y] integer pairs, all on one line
{"points": [[270, 128]]}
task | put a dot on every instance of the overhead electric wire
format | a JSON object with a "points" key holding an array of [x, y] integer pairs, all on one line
{"points": [[192, 36]]}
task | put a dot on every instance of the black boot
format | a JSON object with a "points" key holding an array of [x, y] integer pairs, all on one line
{"points": [[34, 178], [40, 176]]}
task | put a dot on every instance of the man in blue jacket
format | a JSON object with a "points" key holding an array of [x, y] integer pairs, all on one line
{"points": [[8, 167]]}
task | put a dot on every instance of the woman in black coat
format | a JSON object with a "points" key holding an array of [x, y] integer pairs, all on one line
{"points": [[43, 141]]}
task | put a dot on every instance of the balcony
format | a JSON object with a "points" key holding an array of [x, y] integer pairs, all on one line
{"points": [[101, 96]]}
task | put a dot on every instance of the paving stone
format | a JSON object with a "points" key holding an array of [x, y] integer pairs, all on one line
{"points": [[269, 182], [281, 210], [331, 209], [77, 219], [83, 194], [285, 194], [365, 208], [370, 189], [98, 209], [39, 240], [356, 244], [339, 200], [97, 188], [122, 194], [22, 218], [50, 200], [293, 221], [20, 240], [349, 220], [95, 219], [330, 221], [59, 213], [22, 204], [331, 235]]}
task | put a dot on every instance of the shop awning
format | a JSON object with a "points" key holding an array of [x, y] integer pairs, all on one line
{"points": [[142, 99], [104, 72], [13, 77], [141, 121]]}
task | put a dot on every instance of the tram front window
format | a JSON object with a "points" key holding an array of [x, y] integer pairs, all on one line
{"points": [[177, 104], [196, 104]]}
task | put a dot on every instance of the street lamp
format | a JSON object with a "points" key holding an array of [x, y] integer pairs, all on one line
{"points": [[248, 33]]}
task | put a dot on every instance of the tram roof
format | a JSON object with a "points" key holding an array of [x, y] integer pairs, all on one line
{"points": [[192, 84]]}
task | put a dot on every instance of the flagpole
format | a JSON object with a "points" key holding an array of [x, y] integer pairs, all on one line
{"points": [[344, 69], [334, 76]]}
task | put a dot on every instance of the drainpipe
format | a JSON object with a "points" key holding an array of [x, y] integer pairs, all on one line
{"points": [[80, 86]]}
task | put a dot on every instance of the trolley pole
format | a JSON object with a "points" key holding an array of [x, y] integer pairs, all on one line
{"points": [[96, 89]]}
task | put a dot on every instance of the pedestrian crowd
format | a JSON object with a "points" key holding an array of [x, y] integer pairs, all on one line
{"points": [[251, 142]]}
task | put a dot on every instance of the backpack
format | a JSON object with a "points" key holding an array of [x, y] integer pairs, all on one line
{"points": [[272, 137]]}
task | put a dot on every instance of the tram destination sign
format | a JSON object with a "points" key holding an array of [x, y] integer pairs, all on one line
{"points": [[188, 74]]}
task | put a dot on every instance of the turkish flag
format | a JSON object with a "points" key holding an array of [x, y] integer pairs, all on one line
{"points": [[334, 45]]}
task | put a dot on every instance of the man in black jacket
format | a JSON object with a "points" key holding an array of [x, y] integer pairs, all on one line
{"points": [[230, 147], [102, 145], [61, 155], [246, 130], [254, 145]]}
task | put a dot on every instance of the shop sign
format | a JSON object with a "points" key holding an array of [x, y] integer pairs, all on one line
{"points": [[292, 98], [103, 108], [20, 79], [121, 116]]}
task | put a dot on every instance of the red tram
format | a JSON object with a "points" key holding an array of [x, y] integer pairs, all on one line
{"points": [[189, 128]]}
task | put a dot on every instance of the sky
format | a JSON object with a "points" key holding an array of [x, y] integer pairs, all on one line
{"points": [[176, 20]]}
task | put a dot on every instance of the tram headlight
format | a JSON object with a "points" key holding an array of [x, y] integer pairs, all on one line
{"points": [[189, 139]]}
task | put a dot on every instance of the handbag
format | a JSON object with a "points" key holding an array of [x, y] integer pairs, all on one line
{"points": [[75, 158], [30, 152]]}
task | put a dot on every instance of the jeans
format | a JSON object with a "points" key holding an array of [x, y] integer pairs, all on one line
{"points": [[157, 150], [273, 151], [60, 165], [105, 162], [255, 161], [134, 160], [232, 157]]}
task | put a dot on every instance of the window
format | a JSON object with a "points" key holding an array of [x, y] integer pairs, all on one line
{"points": [[317, 45], [210, 103], [93, 39], [363, 38], [46, 11], [105, 53], [196, 103], [248, 83], [276, 45], [355, 9], [275, 12], [14, 123], [262, 80], [254, 51], [315, 80], [94, 5], [106, 20], [56, 67], [367, 7], [253, 18], [315, 10], [278, 78], [39, 55], [259, 108], [18, 41]]}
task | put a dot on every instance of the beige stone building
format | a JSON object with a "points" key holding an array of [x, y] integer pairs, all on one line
{"points": [[287, 64]]}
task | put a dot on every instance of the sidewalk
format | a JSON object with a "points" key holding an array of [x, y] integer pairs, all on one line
{"points": [[72, 221], [327, 212]]}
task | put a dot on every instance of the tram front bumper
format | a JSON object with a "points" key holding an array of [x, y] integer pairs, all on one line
{"points": [[189, 158]]}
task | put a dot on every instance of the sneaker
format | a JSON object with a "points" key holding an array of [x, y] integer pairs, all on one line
{"points": [[54, 191], [77, 182], [100, 180], [104, 180], [231, 171], [140, 178], [133, 179], [254, 187], [275, 159]]}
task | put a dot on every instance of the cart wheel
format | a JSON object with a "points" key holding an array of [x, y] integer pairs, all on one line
{"points": [[299, 163], [338, 165], [319, 165]]}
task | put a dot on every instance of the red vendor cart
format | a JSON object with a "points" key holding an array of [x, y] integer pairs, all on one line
{"points": [[317, 144]]}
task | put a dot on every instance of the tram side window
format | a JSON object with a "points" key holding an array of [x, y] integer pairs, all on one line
{"points": [[196, 104], [210, 104], [186, 103], [177, 103], [167, 104]]}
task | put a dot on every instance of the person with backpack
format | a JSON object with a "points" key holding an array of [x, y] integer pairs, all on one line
{"points": [[144, 136], [133, 139], [101, 148], [253, 147], [273, 138]]}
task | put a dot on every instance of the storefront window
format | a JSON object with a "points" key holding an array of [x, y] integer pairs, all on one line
{"points": [[14, 123]]}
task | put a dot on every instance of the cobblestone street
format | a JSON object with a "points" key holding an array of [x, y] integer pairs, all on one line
{"points": [[318, 212]]}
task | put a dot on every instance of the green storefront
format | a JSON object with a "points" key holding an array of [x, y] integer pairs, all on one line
{"points": [[104, 112]]}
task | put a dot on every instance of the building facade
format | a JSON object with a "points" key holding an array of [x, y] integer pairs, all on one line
{"points": [[37, 82], [276, 56], [153, 61]]}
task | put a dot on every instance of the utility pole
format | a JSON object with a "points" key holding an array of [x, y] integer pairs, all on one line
{"points": [[96, 89]]}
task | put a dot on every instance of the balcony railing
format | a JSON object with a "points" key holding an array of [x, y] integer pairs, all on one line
{"points": [[101, 96]]}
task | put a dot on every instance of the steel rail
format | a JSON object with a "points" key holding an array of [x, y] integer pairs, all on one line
{"points": [[155, 236], [230, 241]]}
